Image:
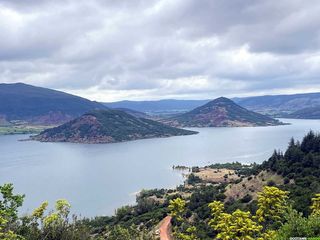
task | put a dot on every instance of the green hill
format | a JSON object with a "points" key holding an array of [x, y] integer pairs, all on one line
{"points": [[41, 105], [107, 126], [222, 112]]}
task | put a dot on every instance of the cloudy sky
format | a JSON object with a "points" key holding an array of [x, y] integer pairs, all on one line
{"points": [[155, 49]]}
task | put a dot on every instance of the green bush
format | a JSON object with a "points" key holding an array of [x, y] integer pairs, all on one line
{"points": [[247, 198], [299, 226]]}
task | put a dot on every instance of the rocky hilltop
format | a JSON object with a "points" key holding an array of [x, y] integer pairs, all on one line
{"points": [[221, 112], [108, 126]]}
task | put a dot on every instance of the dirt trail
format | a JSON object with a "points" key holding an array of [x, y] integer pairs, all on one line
{"points": [[165, 229]]}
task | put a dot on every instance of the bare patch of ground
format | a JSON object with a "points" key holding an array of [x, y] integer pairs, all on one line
{"points": [[251, 185], [214, 175]]}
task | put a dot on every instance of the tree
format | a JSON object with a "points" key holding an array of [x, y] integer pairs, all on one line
{"points": [[5, 233], [177, 208], [9, 205], [189, 234], [315, 207], [298, 226], [238, 225], [119, 233], [57, 224], [272, 204], [217, 208], [183, 231]]}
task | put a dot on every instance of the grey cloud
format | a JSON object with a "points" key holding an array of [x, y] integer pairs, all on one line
{"points": [[167, 48]]}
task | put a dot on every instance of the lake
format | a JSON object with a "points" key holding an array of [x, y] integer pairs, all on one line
{"points": [[97, 179]]}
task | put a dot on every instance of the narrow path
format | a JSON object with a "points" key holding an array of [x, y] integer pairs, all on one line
{"points": [[165, 228]]}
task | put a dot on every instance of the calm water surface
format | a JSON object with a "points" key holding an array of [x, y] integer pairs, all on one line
{"points": [[96, 179]]}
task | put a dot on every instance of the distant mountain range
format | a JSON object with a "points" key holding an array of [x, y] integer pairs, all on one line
{"points": [[41, 105], [161, 106], [221, 112], [108, 126], [306, 113], [133, 112], [273, 105], [44, 106], [280, 105]]}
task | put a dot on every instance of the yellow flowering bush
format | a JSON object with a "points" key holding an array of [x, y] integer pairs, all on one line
{"points": [[315, 207], [272, 204]]}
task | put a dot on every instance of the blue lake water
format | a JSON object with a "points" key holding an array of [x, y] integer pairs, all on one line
{"points": [[97, 179]]}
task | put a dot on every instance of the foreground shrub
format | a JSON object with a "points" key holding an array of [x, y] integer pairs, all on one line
{"points": [[299, 226]]}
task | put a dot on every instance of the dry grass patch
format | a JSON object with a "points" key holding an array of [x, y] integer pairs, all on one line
{"points": [[251, 185], [214, 175]]}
